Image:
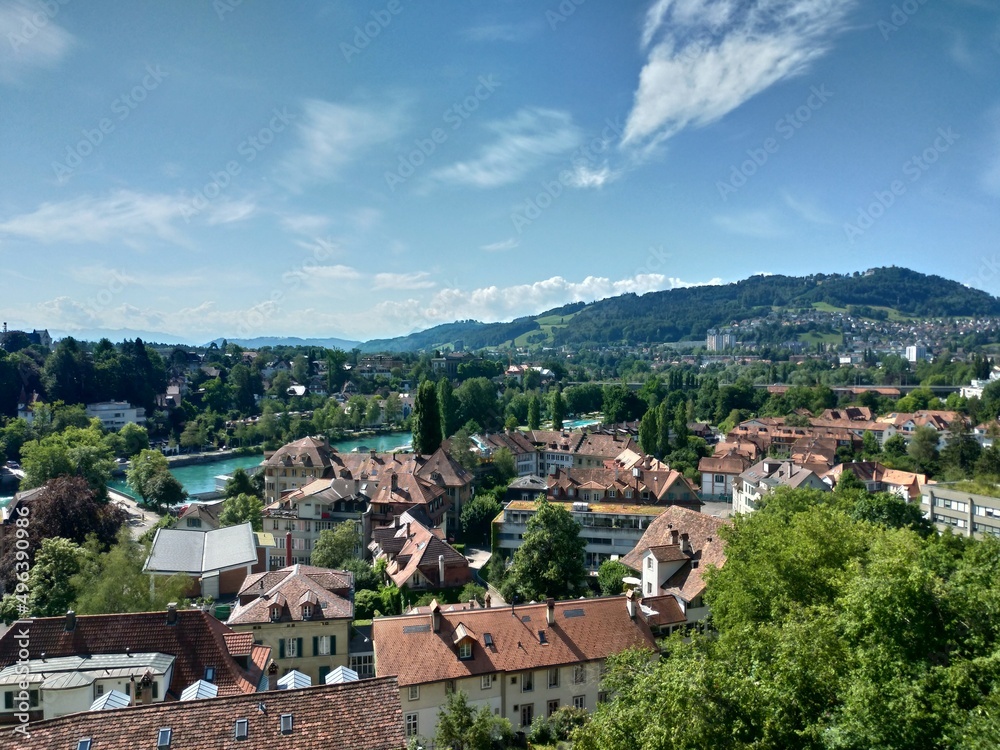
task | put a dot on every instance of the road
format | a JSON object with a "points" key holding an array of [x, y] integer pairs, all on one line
{"points": [[139, 519]]}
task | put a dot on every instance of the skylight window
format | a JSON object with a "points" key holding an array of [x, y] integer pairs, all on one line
{"points": [[83, 744], [242, 729], [286, 723], [163, 738]]}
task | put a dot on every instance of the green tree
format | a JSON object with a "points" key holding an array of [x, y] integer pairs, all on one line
{"points": [[463, 727], [143, 468], [870, 445], [393, 408], [114, 581], [680, 426], [241, 508], [649, 432], [610, 575], [447, 408], [335, 546], [663, 419], [534, 412], [557, 409], [75, 451], [51, 592], [895, 447], [478, 515], [505, 464], [461, 449], [960, 453], [193, 437], [365, 577], [165, 490], [135, 439], [240, 483], [550, 560], [426, 420], [923, 448]]}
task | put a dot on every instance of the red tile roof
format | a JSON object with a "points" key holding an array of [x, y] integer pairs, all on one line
{"points": [[292, 587], [584, 630], [363, 715], [198, 640]]}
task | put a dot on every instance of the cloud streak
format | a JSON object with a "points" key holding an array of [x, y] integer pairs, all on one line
{"points": [[707, 57], [31, 39]]}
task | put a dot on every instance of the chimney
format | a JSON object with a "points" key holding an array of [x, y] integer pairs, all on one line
{"points": [[288, 549], [172, 613], [685, 544], [487, 600], [392, 480], [630, 603], [674, 533], [472, 603], [70, 621], [441, 570], [550, 611], [435, 616], [395, 522], [371, 455]]}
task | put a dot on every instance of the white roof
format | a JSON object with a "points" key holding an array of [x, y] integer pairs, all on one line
{"points": [[198, 690], [341, 674], [294, 680], [113, 699]]}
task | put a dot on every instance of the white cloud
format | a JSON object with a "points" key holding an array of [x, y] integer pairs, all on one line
{"points": [[495, 247], [123, 215], [759, 224], [806, 210], [331, 136], [583, 176], [713, 55], [308, 224], [31, 38], [416, 280], [501, 32], [334, 273], [521, 143]]}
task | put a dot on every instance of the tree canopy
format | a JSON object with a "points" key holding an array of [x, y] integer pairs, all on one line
{"points": [[335, 546], [550, 560], [242, 508]]}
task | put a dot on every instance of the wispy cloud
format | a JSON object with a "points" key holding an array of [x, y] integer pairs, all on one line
{"points": [[308, 224], [331, 136], [806, 210], [415, 280], [495, 247], [31, 38], [123, 215], [759, 224], [501, 32], [707, 57], [520, 144]]}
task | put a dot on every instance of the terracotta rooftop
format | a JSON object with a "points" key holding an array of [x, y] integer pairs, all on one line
{"points": [[703, 535], [291, 588], [584, 630], [363, 715], [308, 451], [197, 639]]}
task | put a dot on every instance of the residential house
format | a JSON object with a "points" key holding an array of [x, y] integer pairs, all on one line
{"points": [[720, 472], [295, 465], [417, 555], [526, 488], [952, 508], [302, 613], [520, 662], [763, 477], [877, 478], [673, 555], [149, 656], [649, 482], [567, 450], [217, 560], [199, 516], [360, 715], [520, 446]]}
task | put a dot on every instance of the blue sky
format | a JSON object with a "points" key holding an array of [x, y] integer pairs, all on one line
{"points": [[364, 169]]}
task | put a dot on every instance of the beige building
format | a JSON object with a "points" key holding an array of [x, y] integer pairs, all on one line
{"points": [[521, 662], [302, 613], [951, 508], [295, 465]]}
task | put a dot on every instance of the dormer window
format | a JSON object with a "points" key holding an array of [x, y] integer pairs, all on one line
{"points": [[465, 650], [307, 611], [275, 613]]}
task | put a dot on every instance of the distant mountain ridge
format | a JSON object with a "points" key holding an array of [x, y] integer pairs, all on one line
{"points": [[676, 314], [261, 341]]}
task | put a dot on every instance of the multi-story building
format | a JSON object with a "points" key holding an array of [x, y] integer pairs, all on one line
{"points": [[720, 472], [649, 482], [417, 557], [526, 457], [116, 414], [720, 339], [580, 450], [952, 508], [302, 613], [295, 465], [763, 477], [520, 662]]}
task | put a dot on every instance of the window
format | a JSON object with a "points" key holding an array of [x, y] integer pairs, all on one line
{"points": [[364, 665], [649, 563], [612, 493], [628, 494], [720, 479], [486, 682], [84, 744], [291, 648], [286, 723], [241, 729], [649, 588], [580, 701], [321, 645], [194, 523], [307, 611], [527, 714], [163, 737], [528, 682], [100, 689], [465, 650], [411, 725], [551, 707], [602, 696], [414, 694], [554, 678], [579, 674]]}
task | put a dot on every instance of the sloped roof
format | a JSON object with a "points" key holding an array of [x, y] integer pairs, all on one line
{"points": [[197, 640], [703, 535], [363, 715], [584, 630], [307, 451], [199, 552], [290, 588]]}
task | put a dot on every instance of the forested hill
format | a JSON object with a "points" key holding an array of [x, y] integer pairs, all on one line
{"points": [[677, 314]]}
